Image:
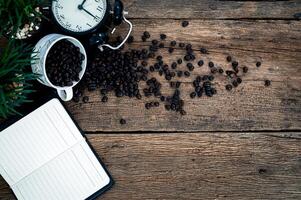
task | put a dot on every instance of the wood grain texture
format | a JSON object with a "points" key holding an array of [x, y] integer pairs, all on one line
{"points": [[213, 9], [200, 166], [251, 106]]}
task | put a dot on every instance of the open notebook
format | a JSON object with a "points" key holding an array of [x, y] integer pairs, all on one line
{"points": [[45, 156]]}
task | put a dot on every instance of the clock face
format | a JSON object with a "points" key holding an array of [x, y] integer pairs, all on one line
{"points": [[79, 16]]}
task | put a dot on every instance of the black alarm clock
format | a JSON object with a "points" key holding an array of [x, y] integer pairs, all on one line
{"points": [[87, 17]]}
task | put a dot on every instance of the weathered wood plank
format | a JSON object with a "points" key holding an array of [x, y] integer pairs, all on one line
{"points": [[200, 166], [249, 107], [212, 9]]}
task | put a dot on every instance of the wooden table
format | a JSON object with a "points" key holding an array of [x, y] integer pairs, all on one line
{"points": [[243, 144]]}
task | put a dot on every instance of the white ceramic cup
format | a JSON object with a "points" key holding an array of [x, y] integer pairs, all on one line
{"points": [[38, 63]]}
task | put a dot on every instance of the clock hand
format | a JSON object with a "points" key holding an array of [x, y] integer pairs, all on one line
{"points": [[88, 12], [84, 1], [80, 7]]}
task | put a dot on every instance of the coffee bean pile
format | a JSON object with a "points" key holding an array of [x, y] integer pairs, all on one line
{"points": [[121, 71], [64, 63]]}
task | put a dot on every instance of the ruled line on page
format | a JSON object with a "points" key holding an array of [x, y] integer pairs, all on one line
{"points": [[66, 124], [53, 125]]}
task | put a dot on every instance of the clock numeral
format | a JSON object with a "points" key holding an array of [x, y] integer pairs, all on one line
{"points": [[59, 6], [89, 25], [62, 16], [97, 1], [68, 25], [97, 19], [78, 27], [99, 8]]}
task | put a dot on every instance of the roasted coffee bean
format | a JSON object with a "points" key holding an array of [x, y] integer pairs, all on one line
{"points": [[75, 99], [104, 99], [220, 70], [170, 49], [210, 78], [181, 45], [239, 80], [85, 99], [186, 73], [155, 42], [187, 58], [122, 121], [258, 64], [167, 107], [162, 98], [174, 65], [183, 112], [146, 34], [213, 70], [180, 61], [144, 63], [192, 95], [185, 23], [234, 83], [159, 58], [173, 43], [229, 58], [161, 45], [267, 83], [151, 69], [203, 50], [143, 38], [245, 69], [210, 64], [228, 87], [156, 104], [178, 84], [130, 39], [190, 66], [234, 64], [163, 36], [200, 63], [180, 74], [172, 84]]}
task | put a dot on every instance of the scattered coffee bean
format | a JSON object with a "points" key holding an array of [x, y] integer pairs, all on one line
{"points": [[234, 83], [185, 23], [267, 83], [85, 99], [181, 45], [146, 34], [170, 49], [220, 70], [163, 36], [229, 58], [203, 50], [122, 121], [104, 99], [180, 61], [245, 69], [234, 64], [258, 64], [174, 65], [228, 87], [161, 45], [211, 64], [239, 80], [130, 39], [192, 95], [173, 43], [186, 73], [200, 63]]}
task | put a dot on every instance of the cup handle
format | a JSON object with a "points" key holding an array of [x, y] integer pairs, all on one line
{"points": [[65, 95]]}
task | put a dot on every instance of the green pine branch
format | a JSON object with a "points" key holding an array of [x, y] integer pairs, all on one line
{"points": [[15, 77]]}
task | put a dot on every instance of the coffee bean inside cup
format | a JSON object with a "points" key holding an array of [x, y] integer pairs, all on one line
{"points": [[64, 63]]}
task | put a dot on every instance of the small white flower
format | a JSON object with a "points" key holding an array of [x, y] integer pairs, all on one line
{"points": [[37, 27], [37, 9], [31, 15], [30, 29]]}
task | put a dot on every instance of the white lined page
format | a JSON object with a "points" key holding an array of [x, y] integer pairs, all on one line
{"points": [[35, 139], [73, 176], [44, 156]]}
